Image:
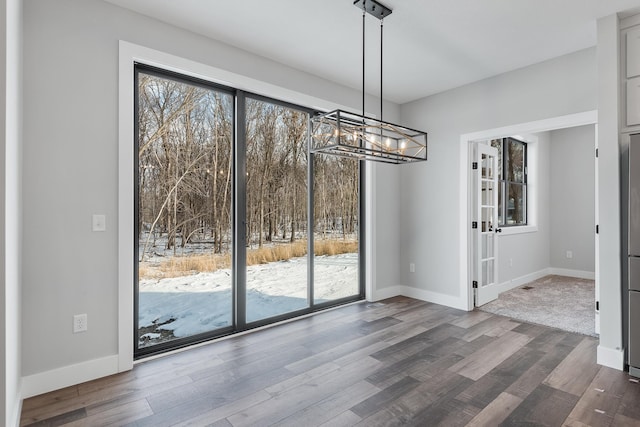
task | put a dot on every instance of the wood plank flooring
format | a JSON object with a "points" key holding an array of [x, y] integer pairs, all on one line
{"points": [[399, 362]]}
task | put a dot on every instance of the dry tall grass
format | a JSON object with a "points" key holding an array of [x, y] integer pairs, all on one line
{"points": [[193, 264], [334, 247]]}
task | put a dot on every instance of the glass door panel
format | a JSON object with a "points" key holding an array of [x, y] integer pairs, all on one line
{"points": [[485, 234], [276, 203], [336, 226], [184, 188]]}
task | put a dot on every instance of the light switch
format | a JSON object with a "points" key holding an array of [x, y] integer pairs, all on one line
{"points": [[99, 222]]}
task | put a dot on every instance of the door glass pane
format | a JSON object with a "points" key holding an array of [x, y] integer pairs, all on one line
{"points": [[487, 193], [487, 272], [487, 219], [336, 224], [276, 210], [184, 209], [487, 245], [487, 167]]}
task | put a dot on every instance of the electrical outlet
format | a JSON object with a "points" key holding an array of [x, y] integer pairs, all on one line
{"points": [[79, 323], [99, 222], [569, 254], [412, 268]]}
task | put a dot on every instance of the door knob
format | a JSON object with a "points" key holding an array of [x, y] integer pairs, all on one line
{"points": [[498, 230]]}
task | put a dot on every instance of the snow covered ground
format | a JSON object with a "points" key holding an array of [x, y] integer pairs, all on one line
{"points": [[188, 305]]}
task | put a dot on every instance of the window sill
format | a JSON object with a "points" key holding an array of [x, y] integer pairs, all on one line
{"points": [[508, 231]]}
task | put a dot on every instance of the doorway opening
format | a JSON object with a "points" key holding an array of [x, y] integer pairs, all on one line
{"points": [[541, 247]]}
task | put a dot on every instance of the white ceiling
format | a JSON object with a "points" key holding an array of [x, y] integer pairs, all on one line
{"points": [[430, 45]]}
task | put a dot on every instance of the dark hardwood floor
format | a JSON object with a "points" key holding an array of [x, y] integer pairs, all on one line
{"points": [[399, 362]]}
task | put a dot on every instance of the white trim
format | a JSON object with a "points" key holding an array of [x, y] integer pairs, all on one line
{"points": [[420, 294], [56, 379], [597, 235], [125, 207], [434, 297], [17, 412], [387, 292], [522, 229], [519, 281], [527, 278], [570, 120], [466, 245], [612, 358], [580, 274], [630, 21], [130, 52]]}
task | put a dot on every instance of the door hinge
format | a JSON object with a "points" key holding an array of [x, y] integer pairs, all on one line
{"points": [[474, 224], [596, 152], [474, 165], [597, 229], [597, 305], [474, 284]]}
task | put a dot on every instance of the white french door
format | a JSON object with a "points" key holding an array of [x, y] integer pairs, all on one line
{"points": [[485, 224]]}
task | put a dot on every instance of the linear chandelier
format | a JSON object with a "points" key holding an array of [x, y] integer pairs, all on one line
{"points": [[346, 134]]}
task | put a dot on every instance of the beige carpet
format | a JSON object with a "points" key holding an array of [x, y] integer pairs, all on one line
{"points": [[561, 302]]}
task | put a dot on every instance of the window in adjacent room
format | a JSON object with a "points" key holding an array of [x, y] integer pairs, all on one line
{"points": [[512, 176]]}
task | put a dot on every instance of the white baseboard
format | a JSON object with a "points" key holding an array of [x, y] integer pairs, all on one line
{"points": [[519, 281], [44, 382], [384, 293], [420, 294], [591, 275], [610, 357], [435, 297]]}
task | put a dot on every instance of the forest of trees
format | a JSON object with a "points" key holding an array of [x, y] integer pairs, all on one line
{"points": [[185, 180]]}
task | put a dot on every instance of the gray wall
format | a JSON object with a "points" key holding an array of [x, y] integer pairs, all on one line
{"points": [[71, 166], [10, 209], [572, 189], [431, 206], [386, 273]]}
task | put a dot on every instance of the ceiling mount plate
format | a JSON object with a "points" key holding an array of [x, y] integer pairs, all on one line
{"points": [[374, 8]]}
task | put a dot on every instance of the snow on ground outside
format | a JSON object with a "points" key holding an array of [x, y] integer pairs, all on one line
{"points": [[202, 302]]}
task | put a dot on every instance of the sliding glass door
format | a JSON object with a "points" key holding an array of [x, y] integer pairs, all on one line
{"points": [[229, 203], [276, 210], [185, 142]]}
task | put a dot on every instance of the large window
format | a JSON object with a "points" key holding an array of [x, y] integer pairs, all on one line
{"points": [[512, 176], [237, 223]]}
